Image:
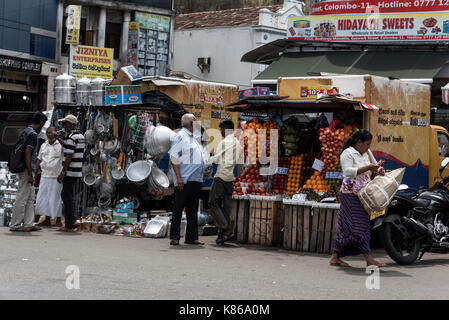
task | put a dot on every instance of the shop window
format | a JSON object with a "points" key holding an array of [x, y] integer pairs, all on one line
{"points": [[113, 37], [443, 145], [42, 46]]}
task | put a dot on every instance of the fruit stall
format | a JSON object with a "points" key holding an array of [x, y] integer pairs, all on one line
{"points": [[295, 204]]}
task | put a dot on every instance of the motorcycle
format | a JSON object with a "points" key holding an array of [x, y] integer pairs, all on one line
{"points": [[414, 224]]}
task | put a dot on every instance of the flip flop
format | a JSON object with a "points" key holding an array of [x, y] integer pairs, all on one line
{"points": [[36, 228], [20, 229]]}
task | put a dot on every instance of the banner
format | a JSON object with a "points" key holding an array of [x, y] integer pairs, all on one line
{"points": [[73, 24], [381, 6], [133, 41], [153, 21], [379, 27], [91, 62]]}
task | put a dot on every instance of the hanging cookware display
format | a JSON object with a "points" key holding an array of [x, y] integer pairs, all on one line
{"points": [[159, 140], [65, 87], [139, 171], [158, 180]]}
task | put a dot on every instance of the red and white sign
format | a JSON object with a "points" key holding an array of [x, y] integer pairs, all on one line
{"points": [[445, 92], [382, 6]]}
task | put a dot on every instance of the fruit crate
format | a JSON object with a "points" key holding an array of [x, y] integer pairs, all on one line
{"points": [[265, 222], [310, 227], [239, 219]]}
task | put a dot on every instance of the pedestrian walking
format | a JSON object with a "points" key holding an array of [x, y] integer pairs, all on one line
{"points": [[48, 166], [23, 211], [188, 164], [227, 154], [353, 227], [72, 170]]}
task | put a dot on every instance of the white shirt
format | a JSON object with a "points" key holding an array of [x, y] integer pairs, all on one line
{"points": [[227, 154], [51, 157], [190, 155], [351, 160]]}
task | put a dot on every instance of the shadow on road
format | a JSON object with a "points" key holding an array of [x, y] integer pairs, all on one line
{"points": [[384, 272], [22, 234], [186, 247], [426, 263]]}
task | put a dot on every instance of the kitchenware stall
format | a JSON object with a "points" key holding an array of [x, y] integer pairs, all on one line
{"points": [[123, 147]]}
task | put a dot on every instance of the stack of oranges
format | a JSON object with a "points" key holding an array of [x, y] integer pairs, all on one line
{"points": [[294, 174], [251, 140], [317, 183]]}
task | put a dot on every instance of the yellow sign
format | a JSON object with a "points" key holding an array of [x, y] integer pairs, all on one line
{"points": [[91, 62], [73, 24]]}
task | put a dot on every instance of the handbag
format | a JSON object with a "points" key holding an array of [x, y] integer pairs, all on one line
{"points": [[378, 193]]}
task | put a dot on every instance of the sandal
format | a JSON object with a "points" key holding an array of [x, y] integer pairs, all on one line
{"points": [[174, 243], [36, 228]]}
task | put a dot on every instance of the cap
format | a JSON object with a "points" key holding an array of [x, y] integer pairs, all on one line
{"points": [[70, 118]]}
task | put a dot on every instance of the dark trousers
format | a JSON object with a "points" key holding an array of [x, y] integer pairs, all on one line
{"points": [[187, 198], [68, 197], [220, 199]]}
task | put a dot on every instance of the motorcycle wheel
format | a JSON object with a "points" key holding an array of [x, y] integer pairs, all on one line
{"points": [[395, 245]]}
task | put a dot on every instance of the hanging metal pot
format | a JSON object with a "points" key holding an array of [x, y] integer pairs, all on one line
{"points": [[138, 172]]}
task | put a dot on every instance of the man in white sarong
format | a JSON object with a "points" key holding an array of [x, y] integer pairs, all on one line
{"points": [[49, 165]]}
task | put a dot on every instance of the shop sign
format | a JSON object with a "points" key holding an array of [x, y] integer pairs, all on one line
{"points": [[211, 98], [153, 21], [432, 26], [314, 92], [73, 24], [382, 6], [20, 65], [91, 62], [133, 41]]}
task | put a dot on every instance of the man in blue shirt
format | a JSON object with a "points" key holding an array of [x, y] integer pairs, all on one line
{"points": [[188, 160]]}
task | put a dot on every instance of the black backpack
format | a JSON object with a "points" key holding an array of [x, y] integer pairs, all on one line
{"points": [[16, 163]]}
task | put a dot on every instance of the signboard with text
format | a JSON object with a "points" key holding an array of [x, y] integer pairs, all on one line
{"points": [[91, 62], [382, 6], [73, 24], [20, 65], [380, 27]]}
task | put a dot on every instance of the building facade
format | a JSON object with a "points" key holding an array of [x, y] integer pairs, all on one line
{"points": [[209, 45], [33, 49]]}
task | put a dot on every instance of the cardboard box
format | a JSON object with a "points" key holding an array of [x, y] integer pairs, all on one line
{"points": [[256, 91], [126, 76], [123, 95]]}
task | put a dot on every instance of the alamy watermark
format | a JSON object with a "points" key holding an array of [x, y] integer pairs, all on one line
{"points": [[373, 280], [72, 281]]}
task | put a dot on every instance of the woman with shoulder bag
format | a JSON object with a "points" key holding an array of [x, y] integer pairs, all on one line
{"points": [[353, 228]]}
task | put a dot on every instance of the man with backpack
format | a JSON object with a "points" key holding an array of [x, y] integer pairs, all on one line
{"points": [[20, 162]]}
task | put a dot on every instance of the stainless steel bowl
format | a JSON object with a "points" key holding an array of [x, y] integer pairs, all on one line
{"points": [[139, 171]]}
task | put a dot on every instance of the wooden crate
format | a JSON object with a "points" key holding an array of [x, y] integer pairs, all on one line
{"points": [[309, 229], [240, 219], [265, 222]]}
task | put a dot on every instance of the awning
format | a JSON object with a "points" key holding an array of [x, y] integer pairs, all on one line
{"points": [[163, 83], [395, 64]]}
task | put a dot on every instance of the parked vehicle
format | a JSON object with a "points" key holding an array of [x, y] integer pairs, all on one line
{"points": [[416, 224]]}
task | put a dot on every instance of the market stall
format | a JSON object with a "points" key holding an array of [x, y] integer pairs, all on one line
{"points": [[123, 186], [296, 204]]}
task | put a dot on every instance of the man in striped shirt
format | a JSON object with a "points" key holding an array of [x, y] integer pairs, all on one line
{"points": [[72, 170]]}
